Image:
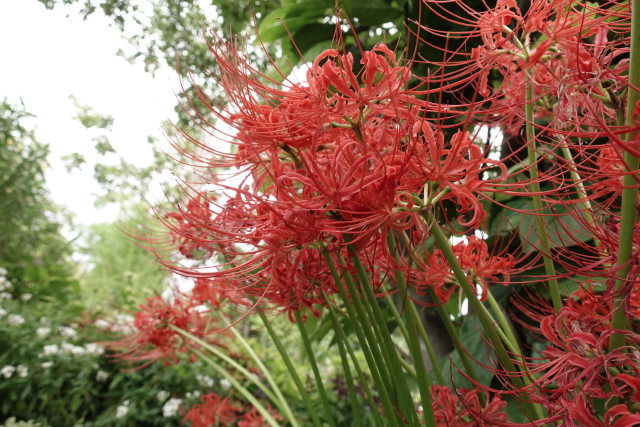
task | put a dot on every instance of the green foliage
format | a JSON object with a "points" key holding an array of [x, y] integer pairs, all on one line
{"points": [[33, 249], [51, 372], [122, 274], [89, 118]]}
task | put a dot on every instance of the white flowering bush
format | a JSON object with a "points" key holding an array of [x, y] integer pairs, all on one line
{"points": [[54, 372]]}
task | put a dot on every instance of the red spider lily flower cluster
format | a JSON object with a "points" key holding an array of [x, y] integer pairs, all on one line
{"points": [[342, 158], [577, 369], [473, 255], [216, 411], [463, 408], [154, 336]]}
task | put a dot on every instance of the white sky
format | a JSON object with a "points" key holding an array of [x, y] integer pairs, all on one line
{"points": [[46, 57]]}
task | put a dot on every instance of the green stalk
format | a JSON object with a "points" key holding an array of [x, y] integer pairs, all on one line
{"points": [[242, 390], [575, 176], [364, 381], [216, 352], [282, 404], [353, 397], [380, 338], [392, 355], [503, 322], [423, 333], [630, 192], [534, 411], [549, 268], [455, 337], [424, 384], [292, 370], [452, 331], [314, 367], [373, 360]]}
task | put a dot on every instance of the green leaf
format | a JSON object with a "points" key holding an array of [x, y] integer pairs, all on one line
{"points": [[473, 340], [561, 226], [292, 17], [372, 13]]}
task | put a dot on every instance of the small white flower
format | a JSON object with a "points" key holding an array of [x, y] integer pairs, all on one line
{"points": [[192, 394], [26, 297], [7, 371], [15, 319], [3, 271], [67, 332], [22, 370], [123, 324], [2, 311], [122, 410], [43, 331], [204, 380], [102, 324], [102, 376], [225, 384], [47, 364], [49, 349], [77, 350], [171, 407], [162, 395], [5, 295], [94, 348]]}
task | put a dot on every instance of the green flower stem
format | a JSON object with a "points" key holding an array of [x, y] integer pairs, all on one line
{"points": [[216, 352], [534, 411], [575, 176], [292, 370], [549, 268], [452, 331], [504, 323], [378, 324], [242, 390], [423, 333], [380, 337], [282, 404], [455, 337], [372, 333], [630, 192], [372, 360], [424, 384], [314, 367], [344, 341], [353, 397]]}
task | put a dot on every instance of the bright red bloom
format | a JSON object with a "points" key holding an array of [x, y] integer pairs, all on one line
{"points": [[215, 292], [580, 368], [253, 418], [463, 408], [473, 255], [154, 338], [212, 411]]}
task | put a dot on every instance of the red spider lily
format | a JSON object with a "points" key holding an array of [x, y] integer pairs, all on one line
{"points": [[215, 292], [337, 158], [560, 46], [154, 338], [254, 419], [463, 408], [212, 411], [190, 233], [296, 279], [473, 256], [580, 368]]}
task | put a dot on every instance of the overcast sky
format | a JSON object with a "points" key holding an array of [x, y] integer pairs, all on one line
{"points": [[46, 58]]}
